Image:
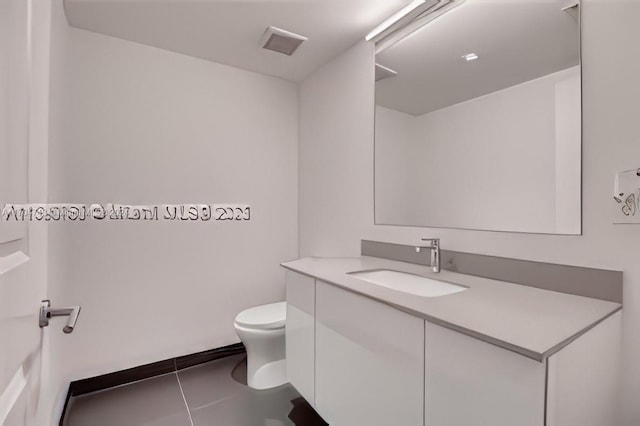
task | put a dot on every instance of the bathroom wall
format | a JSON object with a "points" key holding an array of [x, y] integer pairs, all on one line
{"points": [[507, 137], [336, 170], [134, 124]]}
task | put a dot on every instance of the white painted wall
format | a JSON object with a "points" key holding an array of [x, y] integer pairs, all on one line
{"points": [[336, 155], [139, 125], [495, 155], [336, 170]]}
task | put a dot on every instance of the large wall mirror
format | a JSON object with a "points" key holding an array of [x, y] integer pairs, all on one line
{"points": [[478, 120]]}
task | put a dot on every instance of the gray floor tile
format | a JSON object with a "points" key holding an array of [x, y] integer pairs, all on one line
{"points": [[267, 408], [216, 397], [152, 402], [214, 392], [211, 382]]}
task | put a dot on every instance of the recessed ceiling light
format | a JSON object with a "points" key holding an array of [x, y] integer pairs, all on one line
{"points": [[470, 57]]}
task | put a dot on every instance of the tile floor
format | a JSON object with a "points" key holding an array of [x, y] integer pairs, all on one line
{"points": [[211, 394]]}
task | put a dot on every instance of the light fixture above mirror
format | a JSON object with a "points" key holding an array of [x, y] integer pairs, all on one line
{"points": [[408, 20]]}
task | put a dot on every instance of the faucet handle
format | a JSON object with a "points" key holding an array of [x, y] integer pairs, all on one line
{"points": [[435, 242]]}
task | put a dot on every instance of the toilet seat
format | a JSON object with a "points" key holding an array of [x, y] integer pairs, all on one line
{"points": [[266, 317]]}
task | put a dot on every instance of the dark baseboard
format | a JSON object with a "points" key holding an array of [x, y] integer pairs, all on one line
{"points": [[187, 361], [130, 375]]}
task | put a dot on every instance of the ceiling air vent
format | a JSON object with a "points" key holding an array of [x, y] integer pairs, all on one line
{"points": [[281, 41]]}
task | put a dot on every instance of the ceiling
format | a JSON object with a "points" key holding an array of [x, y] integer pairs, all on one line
{"points": [[516, 41], [229, 31]]}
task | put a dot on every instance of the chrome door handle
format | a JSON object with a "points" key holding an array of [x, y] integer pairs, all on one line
{"points": [[47, 312]]}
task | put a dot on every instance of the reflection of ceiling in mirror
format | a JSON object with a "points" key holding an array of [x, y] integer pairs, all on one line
{"points": [[515, 40]]}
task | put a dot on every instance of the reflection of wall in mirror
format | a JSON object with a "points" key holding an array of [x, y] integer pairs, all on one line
{"points": [[509, 160], [393, 180]]}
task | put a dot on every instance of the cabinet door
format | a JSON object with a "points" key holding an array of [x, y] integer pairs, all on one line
{"points": [[369, 361], [300, 334], [470, 382], [583, 378]]}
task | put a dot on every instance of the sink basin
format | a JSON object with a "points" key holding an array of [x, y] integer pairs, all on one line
{"points": [[408, 283]]}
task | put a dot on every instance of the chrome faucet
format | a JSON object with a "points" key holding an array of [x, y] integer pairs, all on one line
{"points": [[435, 252]]}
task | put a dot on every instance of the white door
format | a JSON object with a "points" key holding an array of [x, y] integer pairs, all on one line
{"points": [[24, 47]]}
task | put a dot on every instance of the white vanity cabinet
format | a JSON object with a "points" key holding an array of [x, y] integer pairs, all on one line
{"points": [[300, 333], [471, 382], [360, 361], [369, 361]]}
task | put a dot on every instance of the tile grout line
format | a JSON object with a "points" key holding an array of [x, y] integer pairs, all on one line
{"points": [[184, 398]]}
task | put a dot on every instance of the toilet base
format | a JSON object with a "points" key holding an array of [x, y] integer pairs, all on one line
{"points": [[262, 330], [269, 375], [266, 357]]}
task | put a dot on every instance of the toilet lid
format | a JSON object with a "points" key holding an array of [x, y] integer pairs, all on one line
{"points": [[268, 316]]}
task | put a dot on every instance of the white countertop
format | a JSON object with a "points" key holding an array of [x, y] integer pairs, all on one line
{"points": [[533, 322]]}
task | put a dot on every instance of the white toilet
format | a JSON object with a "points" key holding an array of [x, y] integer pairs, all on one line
{"points": [[261, 329]]}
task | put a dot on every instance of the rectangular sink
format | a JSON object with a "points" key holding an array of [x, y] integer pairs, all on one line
{"points": [[408, 283]]}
